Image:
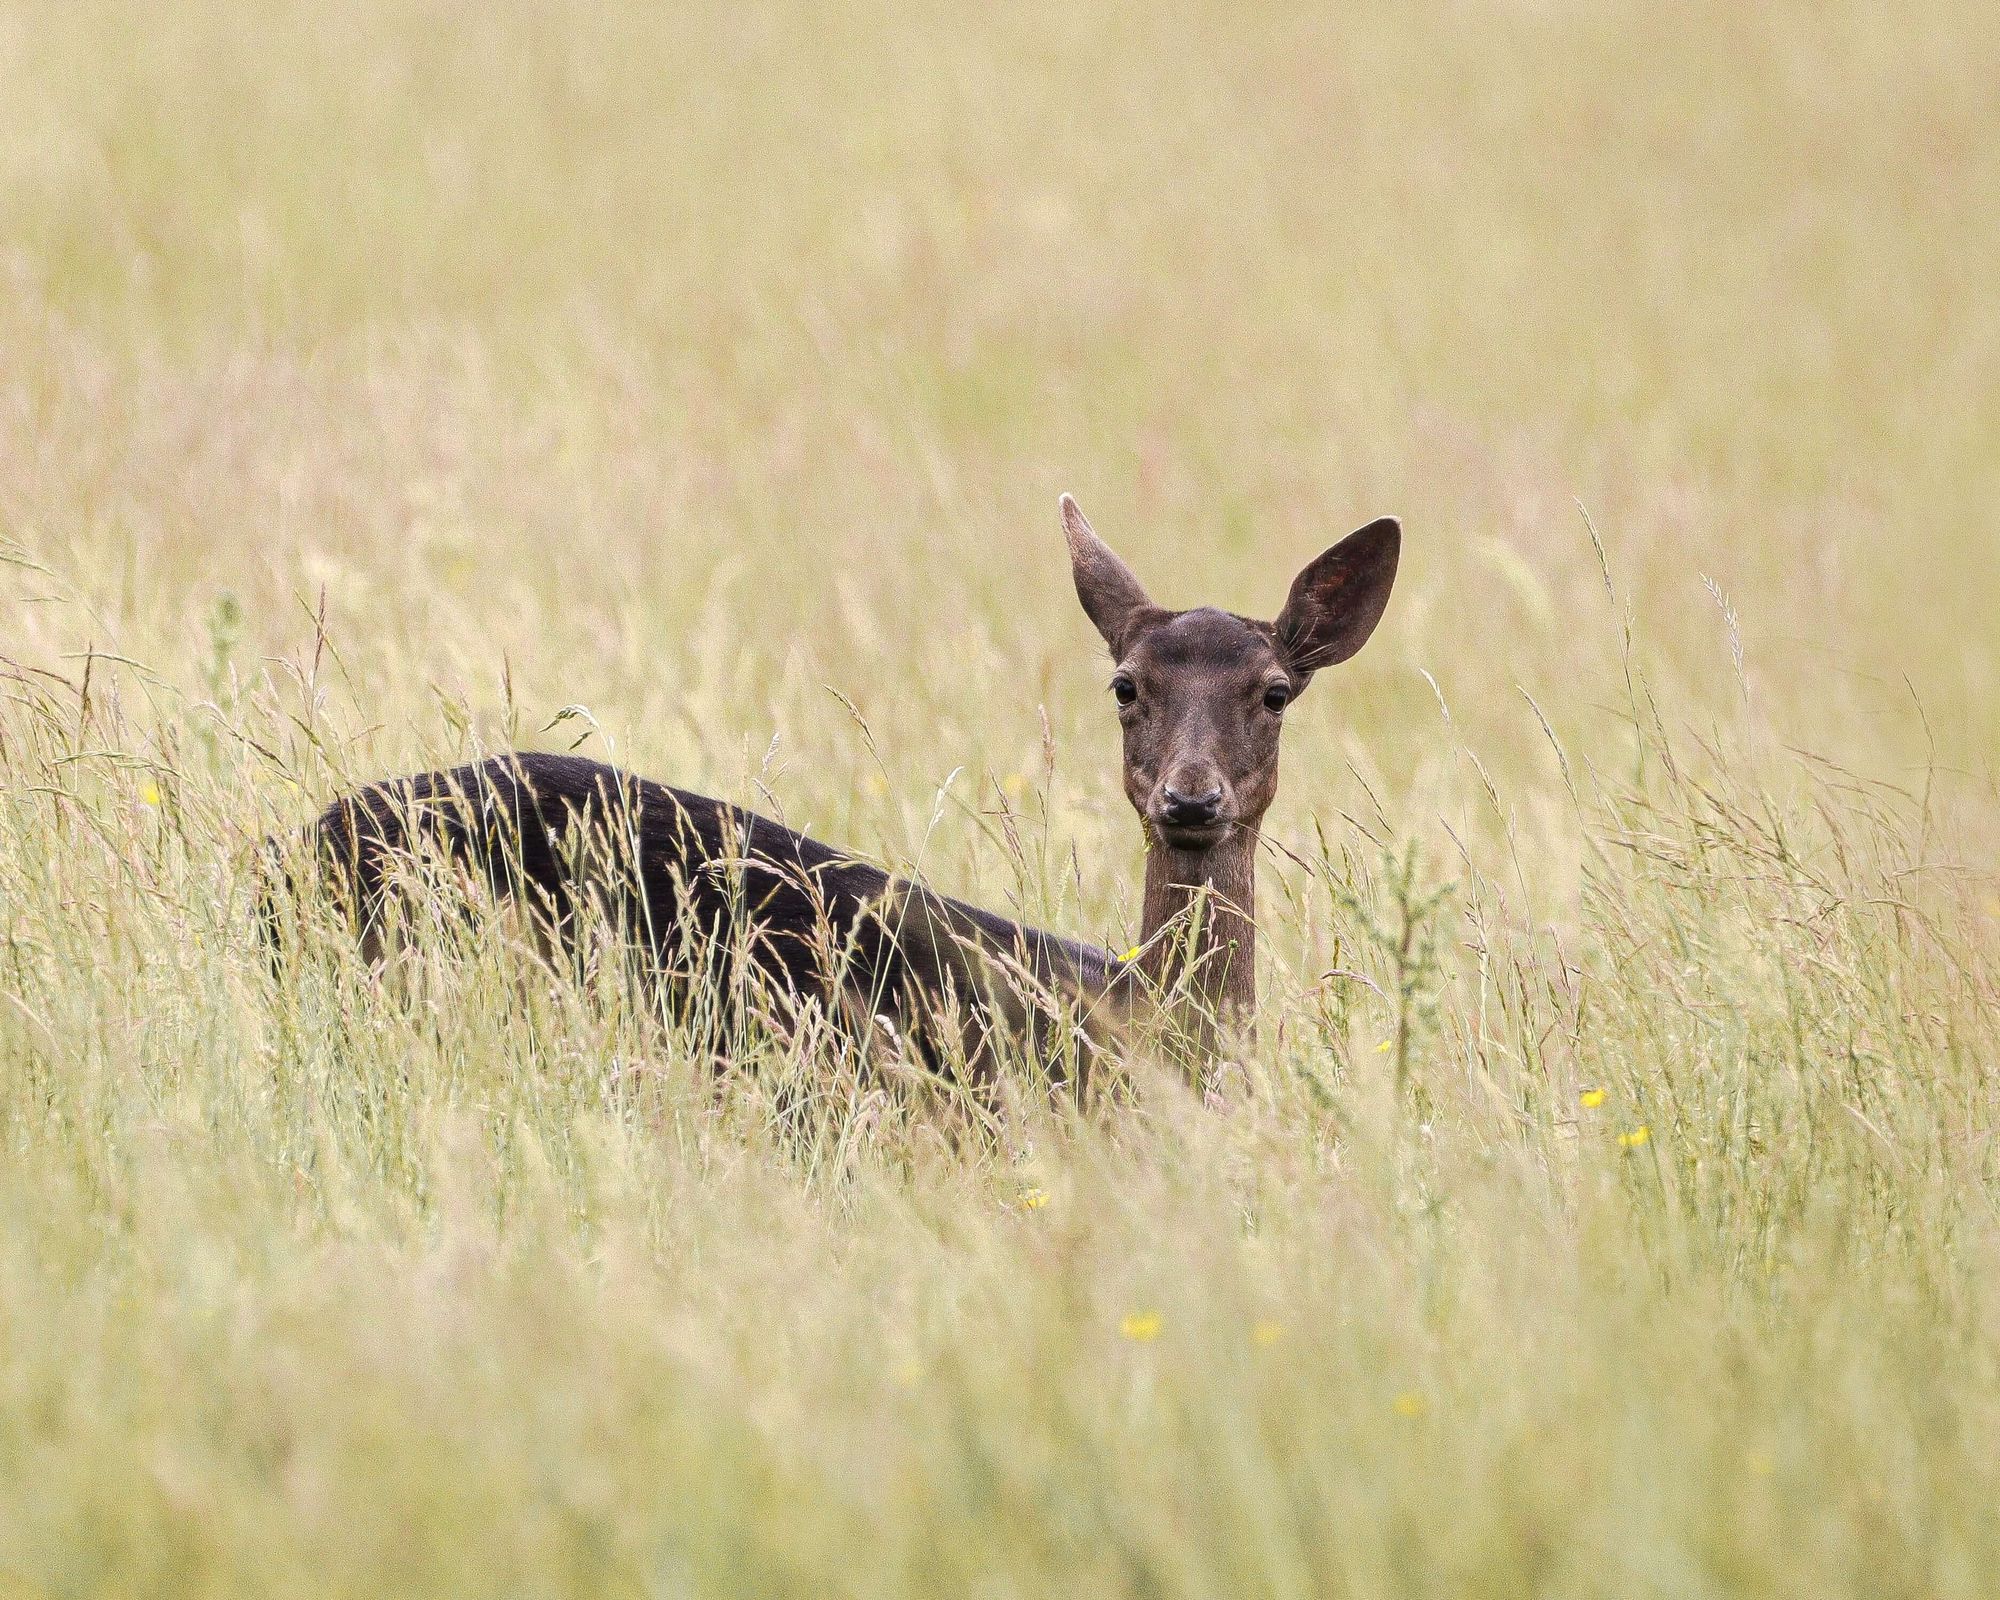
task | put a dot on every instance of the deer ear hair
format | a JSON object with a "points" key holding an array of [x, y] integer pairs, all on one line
{"points": [[1338, 598], [1111, 596]]}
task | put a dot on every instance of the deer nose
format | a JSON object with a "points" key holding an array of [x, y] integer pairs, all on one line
{"points": [[1191, 810]]}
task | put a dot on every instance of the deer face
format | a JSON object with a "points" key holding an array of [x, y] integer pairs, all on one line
{"points": [[1202, 695]]}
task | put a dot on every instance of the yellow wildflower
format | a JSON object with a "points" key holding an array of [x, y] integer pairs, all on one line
{"points": [[1034, 1199], [1637, 1137], [1410, 1404], [1266, 1333], [1591, 1099], [150, 794], [1141, 1327], [1132, 954], [1385, 1047]]}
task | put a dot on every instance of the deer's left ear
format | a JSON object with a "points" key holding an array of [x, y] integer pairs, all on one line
{"points": [[1339, 597]]}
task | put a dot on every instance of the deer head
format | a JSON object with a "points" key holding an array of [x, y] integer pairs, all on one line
{"points": [[1202, 695], [1202, 698]]}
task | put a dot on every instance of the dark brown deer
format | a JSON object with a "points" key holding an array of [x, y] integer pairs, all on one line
{"points": [[731, 910], [1202, 697]]}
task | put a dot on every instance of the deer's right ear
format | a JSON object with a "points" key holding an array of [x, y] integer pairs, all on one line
{"points": [[1111, 596]]}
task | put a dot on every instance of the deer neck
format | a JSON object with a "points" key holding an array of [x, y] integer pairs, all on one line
{"points": [[1200, 922]]}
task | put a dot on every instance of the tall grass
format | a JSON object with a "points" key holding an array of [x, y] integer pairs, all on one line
{"points": [[1607, 1206]]}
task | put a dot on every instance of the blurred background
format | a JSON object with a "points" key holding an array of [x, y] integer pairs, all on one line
{"points": [[682, 363]]}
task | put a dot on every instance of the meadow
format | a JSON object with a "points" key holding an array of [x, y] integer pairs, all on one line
{"points": [[1608, 1205]]}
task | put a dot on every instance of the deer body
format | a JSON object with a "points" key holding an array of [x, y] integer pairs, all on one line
{"points": [[732, 910], [712, 895]]}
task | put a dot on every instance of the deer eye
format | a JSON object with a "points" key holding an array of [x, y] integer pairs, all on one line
{"points": [[1124, 689], [1277, 697]]}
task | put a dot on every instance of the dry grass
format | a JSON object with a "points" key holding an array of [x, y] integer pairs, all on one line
{"points": [[383, 383]]}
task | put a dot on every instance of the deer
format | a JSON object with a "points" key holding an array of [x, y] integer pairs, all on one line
{"points": [[1202, 697], [731, 913]]}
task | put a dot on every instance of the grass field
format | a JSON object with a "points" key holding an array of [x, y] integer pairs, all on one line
{"points": [[385, 383]]}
